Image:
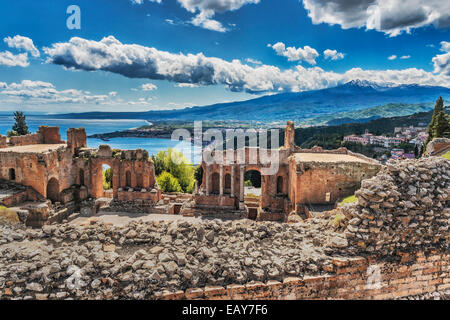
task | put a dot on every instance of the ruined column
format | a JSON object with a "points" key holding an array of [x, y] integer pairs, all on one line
{"points": [[241, 183], [221, 180], [207, 180], [232, 181], [266, 191]]}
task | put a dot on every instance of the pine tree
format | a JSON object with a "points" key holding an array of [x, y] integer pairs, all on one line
{"points": [[20, 125]]}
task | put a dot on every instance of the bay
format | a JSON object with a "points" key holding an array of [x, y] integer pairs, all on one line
{"points": [[93, 126]]}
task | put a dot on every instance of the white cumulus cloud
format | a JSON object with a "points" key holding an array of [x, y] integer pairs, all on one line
{"points": [[136, 61], [389, 16], [393, 57], [14, 60], [149, 87], [20, 42], [333, 54], [203, 19], [205, 10], [441, 62], [306, 53]]}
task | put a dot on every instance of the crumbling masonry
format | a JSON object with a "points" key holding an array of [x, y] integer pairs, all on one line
{"points": [[304, 177], [68, 171]]}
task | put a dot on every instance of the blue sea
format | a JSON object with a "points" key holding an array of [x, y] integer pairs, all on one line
{"points": [[152, 145]]}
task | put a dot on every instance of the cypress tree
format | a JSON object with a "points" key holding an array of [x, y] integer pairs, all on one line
{"points": [[441, 126], [439, 123], [20, 125]]}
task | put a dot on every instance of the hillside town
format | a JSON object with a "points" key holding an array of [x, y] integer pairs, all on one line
{"points": [[415, 136]]}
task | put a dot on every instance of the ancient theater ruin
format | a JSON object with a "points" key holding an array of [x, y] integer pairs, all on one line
{"points": [[305, 177], [69, 172], [68, 176]]}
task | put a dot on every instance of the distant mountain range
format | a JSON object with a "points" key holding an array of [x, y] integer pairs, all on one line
{"points": [[365, 115], [342, 103]]}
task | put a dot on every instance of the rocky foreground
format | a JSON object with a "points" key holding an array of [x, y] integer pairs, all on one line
{"points": [[404, 208], [139, 260]]}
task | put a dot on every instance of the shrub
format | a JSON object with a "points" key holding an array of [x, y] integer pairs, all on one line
{"points": [[11, 133], [168, 183], [175, 163]]}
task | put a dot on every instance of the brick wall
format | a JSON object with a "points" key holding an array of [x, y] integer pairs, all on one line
{"points": [[28, 139], [3, 141], [340, 179], [348, 278], [215, 201], [50, 135]]}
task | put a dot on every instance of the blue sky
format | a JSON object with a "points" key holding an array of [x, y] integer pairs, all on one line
{"points": [[165, 54]]}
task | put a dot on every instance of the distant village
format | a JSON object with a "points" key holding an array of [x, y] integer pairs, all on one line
{"points": [[412, 135]]}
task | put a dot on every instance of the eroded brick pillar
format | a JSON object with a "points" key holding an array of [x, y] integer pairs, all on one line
{"points": [[232, 181], [241, 184], [221, 180], [207, 180]]}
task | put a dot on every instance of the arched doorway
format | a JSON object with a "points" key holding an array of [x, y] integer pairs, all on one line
{"points": [[12, 174], [53, 190], [107, 177], [252, 183], [280, 185], [215, 185], [107, 181]]}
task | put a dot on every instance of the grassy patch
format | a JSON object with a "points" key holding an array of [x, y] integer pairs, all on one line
{"points": [[337, 220], [8, 214], [446, 155], [349, 199]]}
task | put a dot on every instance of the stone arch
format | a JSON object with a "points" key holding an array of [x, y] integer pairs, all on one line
{"points": [[12, 174], [253, 174], [215, 183], [280, 182], [53, 190]]}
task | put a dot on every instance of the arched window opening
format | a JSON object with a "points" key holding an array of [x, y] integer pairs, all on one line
{"points": [[128, 179], [53, 190], [12, 174], [215, 183], [280, 184]]}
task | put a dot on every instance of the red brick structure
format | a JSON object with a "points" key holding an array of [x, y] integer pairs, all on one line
{"points": [[347, 278], [52, 167], [437, 147], [304, 177]]}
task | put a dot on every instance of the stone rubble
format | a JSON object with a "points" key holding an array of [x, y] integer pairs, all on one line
{"points": [[139, 260], [404, 207]]}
